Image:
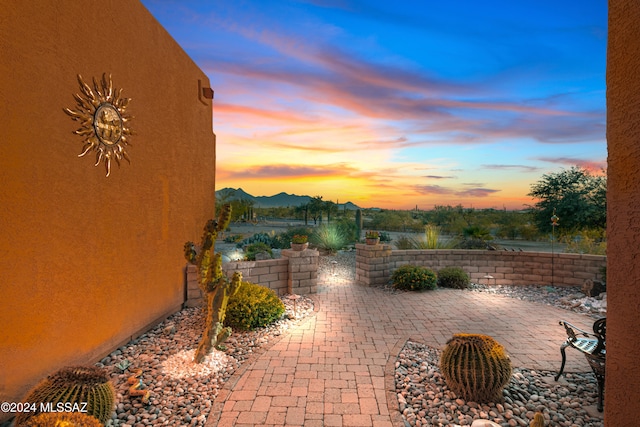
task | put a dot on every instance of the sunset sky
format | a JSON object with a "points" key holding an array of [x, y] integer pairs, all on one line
{"points": [[402, 103]]}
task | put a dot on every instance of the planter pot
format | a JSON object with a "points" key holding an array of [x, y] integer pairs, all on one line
{"points": [[299, 246], [372, 241]]}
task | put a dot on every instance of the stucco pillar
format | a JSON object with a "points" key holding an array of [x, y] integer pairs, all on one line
{"points": [[622, 389]]}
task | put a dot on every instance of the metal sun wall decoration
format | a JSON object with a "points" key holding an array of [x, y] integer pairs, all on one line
{"points": [[104, 124]]}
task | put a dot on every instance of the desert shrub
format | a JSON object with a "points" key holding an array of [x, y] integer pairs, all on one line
{"points": [[233, 238], [472, 244], [453, 277], [413, 278], [283, 240], [348, 227], [328, 237], [405, 243], [385, 237], [254, 248], [475, 232], [253, 306], [592, 242]]}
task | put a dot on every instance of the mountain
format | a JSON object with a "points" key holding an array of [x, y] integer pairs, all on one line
{"points": [[277, 200], [281, 199]]}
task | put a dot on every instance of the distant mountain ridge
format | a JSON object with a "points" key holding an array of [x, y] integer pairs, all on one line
{"points": [[277, 200]]}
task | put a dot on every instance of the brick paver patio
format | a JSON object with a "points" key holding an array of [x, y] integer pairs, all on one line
{"points": [[337, 368]]}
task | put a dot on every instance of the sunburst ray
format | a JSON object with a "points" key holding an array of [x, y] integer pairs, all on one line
{"points": [[104, 124]]}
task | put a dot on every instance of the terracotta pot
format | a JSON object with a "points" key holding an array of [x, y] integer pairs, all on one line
{"points": [[372, 241], [299, 246]]}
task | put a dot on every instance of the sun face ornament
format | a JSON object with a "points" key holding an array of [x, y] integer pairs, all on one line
{"points": [[103, 121]]}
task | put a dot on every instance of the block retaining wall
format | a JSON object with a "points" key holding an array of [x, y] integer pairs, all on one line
{"points": [[376, 263], [296, 272]]}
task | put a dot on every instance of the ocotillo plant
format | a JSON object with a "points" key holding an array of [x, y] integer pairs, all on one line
{"points": [[215, 285]]}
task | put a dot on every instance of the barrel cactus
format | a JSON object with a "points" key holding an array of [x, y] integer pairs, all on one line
{"points": [[76, 388], [475, 367], [63, 419]]}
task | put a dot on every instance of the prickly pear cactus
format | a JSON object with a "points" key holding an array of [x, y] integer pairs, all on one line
{"points": [[215, 285], [475, 367]]}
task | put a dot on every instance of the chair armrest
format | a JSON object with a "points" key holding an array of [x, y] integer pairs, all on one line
{"points": [[571, 330]]}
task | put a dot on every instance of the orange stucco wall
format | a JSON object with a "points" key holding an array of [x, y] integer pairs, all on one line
{"points": [[622, 388], [87, 261]]}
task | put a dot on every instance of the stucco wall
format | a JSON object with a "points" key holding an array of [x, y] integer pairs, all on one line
{"points": [[622, 388], [86, 261]]}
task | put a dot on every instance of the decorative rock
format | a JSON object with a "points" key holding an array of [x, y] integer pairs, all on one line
{"points": [[484, 423], [526, 393], [182, 392]]}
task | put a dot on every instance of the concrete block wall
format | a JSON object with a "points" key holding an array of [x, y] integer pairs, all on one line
{"points": [[296, 272], [303, 271], [505, 267], [372, 264]]}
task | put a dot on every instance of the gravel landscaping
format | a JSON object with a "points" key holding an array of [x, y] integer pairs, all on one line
{"points": [[425, 400], [183, 393]]}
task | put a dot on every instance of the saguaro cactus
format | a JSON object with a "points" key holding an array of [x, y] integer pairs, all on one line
{"points": [[215, 285], [359, 224]]}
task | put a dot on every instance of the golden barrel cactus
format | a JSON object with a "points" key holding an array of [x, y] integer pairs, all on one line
{"points": [[73, 389], [63, 419], [475, 367]]}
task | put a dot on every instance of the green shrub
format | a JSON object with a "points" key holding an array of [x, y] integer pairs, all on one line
{"points": [[255, 248], [233, 238], [385, 237], [253, 306], [349, 229], [405, 243], [472, 244], [413, 278], [329, 237], [592, 242], [453, 277], [431, 240], [283, 240]]}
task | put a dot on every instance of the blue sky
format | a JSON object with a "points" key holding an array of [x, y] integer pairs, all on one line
{"points": [[398, 104]]}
